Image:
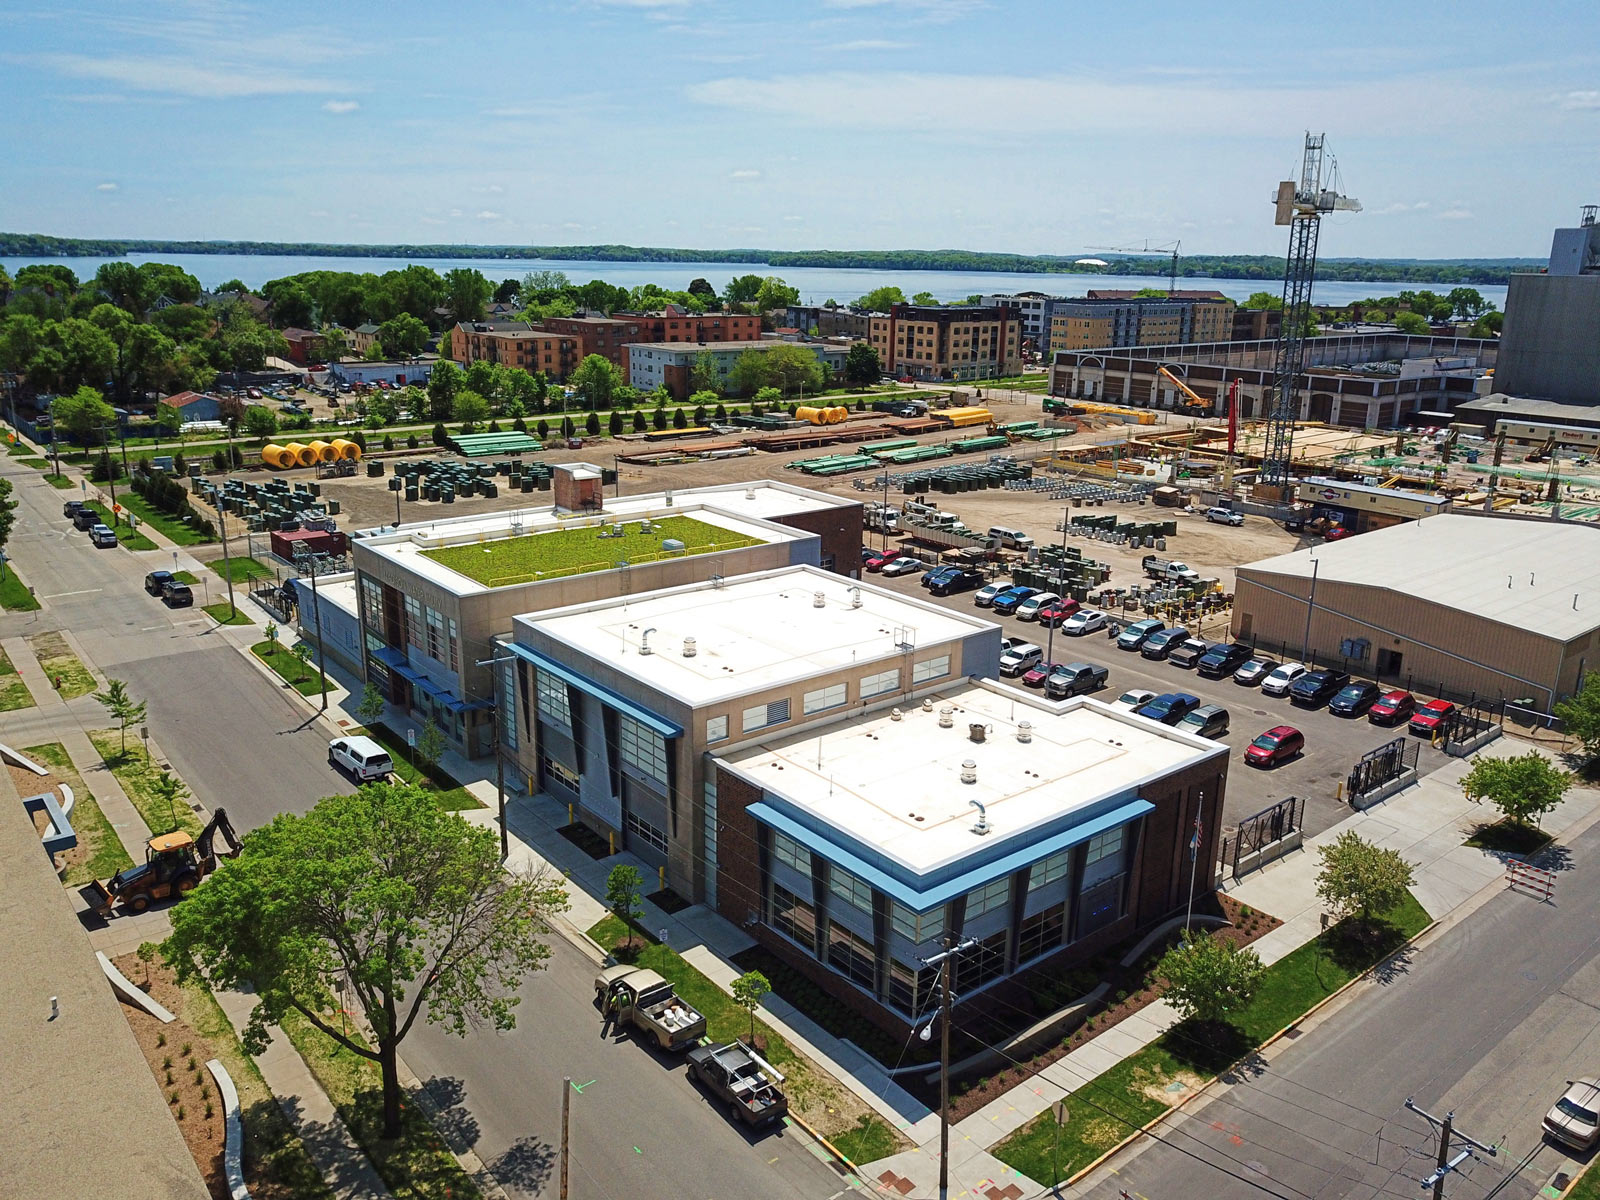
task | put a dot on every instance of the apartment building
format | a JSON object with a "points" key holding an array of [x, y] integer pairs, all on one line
{"points": [[516, 344], [1112, 320], [668, 364], [674, 324], [1033, 309], [608, 337], [956, 343]]}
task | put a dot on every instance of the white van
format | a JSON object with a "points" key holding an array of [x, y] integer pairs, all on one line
{"points": [[1012, 539], [362, 757]]}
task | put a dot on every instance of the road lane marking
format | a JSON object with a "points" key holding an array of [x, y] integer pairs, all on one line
{"points": [[84, 592]]}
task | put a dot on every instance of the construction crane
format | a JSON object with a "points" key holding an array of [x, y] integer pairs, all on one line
{"points": [[1192, 399], [1301, 207], [1172, 249]]}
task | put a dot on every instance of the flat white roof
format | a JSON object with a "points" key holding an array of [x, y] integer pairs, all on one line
{"points": [[753, 632], [895, 786], [1518, 572]]}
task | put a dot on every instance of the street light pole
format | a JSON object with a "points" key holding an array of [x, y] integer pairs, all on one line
{"points": [[944, 961], [494, 663], [1311, 604], [227, 558], [309, 558], [1050, 647]]}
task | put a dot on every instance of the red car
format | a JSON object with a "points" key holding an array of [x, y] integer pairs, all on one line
{"points": [[1430, 716], [1037, 676], [1053, 614], [1336, 533], [881, 561], [1274, 746], [1392, 707]]}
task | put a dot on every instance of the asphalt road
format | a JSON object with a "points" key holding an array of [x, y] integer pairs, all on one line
{"points": [[1489, 1020], [638, 1127], [1333, 744]]}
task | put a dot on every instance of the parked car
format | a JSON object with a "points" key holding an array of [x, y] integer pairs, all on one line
{"points": [[70, 508], [1020, 659], [1251, 673], [735, 1076], [1008, 601], [177, 594], [1135, 635], [1282, 678], [1162, 643], [1075, 679], [959, 580], [1085, 620], [1391, 708], [85, 519], [1028, 610], [1223, 659], [1134, 699], [880, 561], [1039, 673], [1575, 1119], [1224, 516], [1276, 745], [1354, 699], [1316, 688], [1169, 708], [986, 595], [868, 554], [103, 537], [1207, 721], [156, 581], [361, 756], [1430, 716], [1337, 533], [1188, 653], [934, 574], [902, 566]]}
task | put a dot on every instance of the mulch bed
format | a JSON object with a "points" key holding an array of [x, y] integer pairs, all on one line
{"points": [[587, 840]]}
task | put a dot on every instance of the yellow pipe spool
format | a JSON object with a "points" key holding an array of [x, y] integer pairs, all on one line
{"points": [[324, 452], [304, 456], [276, 456], [347, 450]]}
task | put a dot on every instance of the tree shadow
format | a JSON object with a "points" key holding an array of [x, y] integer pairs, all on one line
{"points": [[344, 1172], [526, 1165], [445, 1097], [1207, 1047], [1356, 946]]}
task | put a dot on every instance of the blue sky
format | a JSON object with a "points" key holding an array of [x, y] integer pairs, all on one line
{"points": [[1465, 129]]}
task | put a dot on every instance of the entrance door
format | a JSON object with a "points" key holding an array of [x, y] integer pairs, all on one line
{"points": [[1388, 664]]}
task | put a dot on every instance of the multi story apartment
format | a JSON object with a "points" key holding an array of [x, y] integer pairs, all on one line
{"points": [[826, 321], [668, 364], [608, 337], [1033, 308], [674, 324], [516, 344], [1111, 320], [955, 343]]}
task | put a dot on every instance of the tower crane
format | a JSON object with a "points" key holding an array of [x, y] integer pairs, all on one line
{"points": [[1301, 206], [1172, 248]]}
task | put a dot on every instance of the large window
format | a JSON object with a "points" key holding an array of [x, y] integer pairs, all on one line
{"points": [[982, 964], [851, 955], [1048, 871], [1104, 845], [879, 684], [913, 990], [416, 634], [988, 898], [506, 705], [716, 729], [794, 917], [852, 889], [645, 832], [917, 927], [1041, 933], [438, 640], [825, 698], [930, 668], [642, 748], [554, 704], [791, 853], [761, 715]]}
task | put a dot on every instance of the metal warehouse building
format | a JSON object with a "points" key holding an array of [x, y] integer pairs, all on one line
{"points": [[1462, 604]]}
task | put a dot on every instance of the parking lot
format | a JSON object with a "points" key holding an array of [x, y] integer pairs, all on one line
{"points": [[1333, 744]]}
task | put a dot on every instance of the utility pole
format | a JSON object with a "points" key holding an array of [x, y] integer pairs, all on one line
{"points": [[1311, 604], [227, 564], [1194, 861], [309, 557], [1447, 1133], [944, 960], [566, 1144], [1050, 647]]}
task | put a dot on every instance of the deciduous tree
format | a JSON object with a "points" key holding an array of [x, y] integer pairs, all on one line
{"points": [[861, 364], [1580, 714], [749, 990], [471, 409], [880, 299], [121, 706], [623, 896], [1360, 879], [403, 336], [83, 414], [1523, 788], [1208, 977], [596, 380], [466, 292]]}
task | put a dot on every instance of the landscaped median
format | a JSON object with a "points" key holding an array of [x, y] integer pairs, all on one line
{"points": [[14, 693], [1117, 1104], [66, 670], [127, 536], [286, 665], [141, 780], [15, 595], [823, 1104], [224, 613]]}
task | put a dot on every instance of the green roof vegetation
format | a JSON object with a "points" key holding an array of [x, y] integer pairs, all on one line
{"points": [[504, 562]]}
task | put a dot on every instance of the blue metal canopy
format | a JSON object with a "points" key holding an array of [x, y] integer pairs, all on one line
{"points": [[605, 695]]}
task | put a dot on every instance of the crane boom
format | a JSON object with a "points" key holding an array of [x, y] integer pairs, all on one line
{"points": [[1195, 399]]}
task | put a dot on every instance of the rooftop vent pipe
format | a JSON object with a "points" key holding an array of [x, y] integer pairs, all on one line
{"points": [[818, 600], [969, 771], [977, 731], [1025, 731], [644, 641], [947, 715], [982, 827], [895, 714], [689, 649], [855, 597], [749, 493], [927, 706]]}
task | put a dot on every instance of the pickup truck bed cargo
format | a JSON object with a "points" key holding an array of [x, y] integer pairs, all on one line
{"points": [[642, 999]]}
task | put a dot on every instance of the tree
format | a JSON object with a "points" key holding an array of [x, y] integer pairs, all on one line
{"points": [[83, 414], [623, 888], [8, 516], [121, 283], [703, 372], [881, 299], [507, 291], [480, 377], [471, 409], [741, 290], [1523, 788], [431, 745], [371, 706], [702, 401], [291, 306], [374, 352], [443, 384], [1262, 300], [170, 788], [331, 345], [793, 369], [70, 354], [702, 288], [749, 990], [1412, 323], [1580, 714], [403, 336], [775, 293], [1150, 294], [591, 424], [466, 292], [1467, 303], [1208, 977], [1360, 879], [380, 892], [926, 299], [272, 636], [861, 364], [302, 654], [596, 381], [233, 285], [122, 708], [614, 425]]}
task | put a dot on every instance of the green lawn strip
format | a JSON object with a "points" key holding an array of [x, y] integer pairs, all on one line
{"points": [[1588, 1185], [448, 792], [60, 481], [60, 663], [38, 464], [104, 850], [225, 615], [273, 1151], [134, 772], [578, 551], [14, 693], [130, 537], [14, 593], [171, 527], [870, 1140], [1134, 1092], [241, 570], [185, 577], [1509, 837], [304, 678], [416, 1166]]}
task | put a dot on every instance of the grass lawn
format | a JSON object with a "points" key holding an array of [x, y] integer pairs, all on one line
{"points": [[104, 853], [130, 537], [14, 693], [1142, 1086], [223, 615], [172, 527], [137, 776], [870, 1140], [186, 577], [448, 793], [14, 594], [272, 1149], [1587, 1187], [560, 552], [416, 1166], [38, 464], [303, 677], [1509, 837], [60, 663], [243, 570], [60, 481]]}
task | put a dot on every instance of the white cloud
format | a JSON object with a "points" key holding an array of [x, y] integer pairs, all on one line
{"points": [[1580, 101], [1399, 206], [456, 212], [1456, 212], [340, 107], [178, 77], [928, 10], [744, 173], [487, 215], [490, 189], [105, 187], [874, 44]]}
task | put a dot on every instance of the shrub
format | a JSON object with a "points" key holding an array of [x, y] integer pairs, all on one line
{"points": [[639, 421], [494, 426], [721, 413], [219, 460], [592, 425], [388, 441], [658, 419], [544, 429], [359, 438], [411, 442], [615, 424], [440, 437], [520, 425], [680, 419]]}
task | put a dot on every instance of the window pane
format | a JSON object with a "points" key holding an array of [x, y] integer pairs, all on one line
{"points": [[989, 897], [794, 918], [1050, 870], [642, 748], [791, 853], [1041, 933], [553, 700], [932, 668], [850, 955], [716, 729], [649, 834], [853, 890], [877, 685], [825, 698], [754, 718]]}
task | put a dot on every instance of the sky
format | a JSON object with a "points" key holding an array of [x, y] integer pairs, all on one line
{"points": [[1466, 130]]}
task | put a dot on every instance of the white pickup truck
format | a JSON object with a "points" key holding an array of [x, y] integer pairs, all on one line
{"points": [[1169, 569], [641, 998]]}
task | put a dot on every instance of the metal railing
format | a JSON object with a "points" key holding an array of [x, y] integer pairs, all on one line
{"points": [[1380, 767], [1256, 833]]}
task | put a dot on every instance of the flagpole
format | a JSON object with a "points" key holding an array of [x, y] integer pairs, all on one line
{"points": [[1194, 855]]}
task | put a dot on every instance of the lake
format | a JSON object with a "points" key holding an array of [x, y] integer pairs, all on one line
{"points": [[817, 284]]}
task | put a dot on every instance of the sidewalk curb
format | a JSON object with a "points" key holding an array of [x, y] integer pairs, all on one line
{"points": [[839, 1155]]}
